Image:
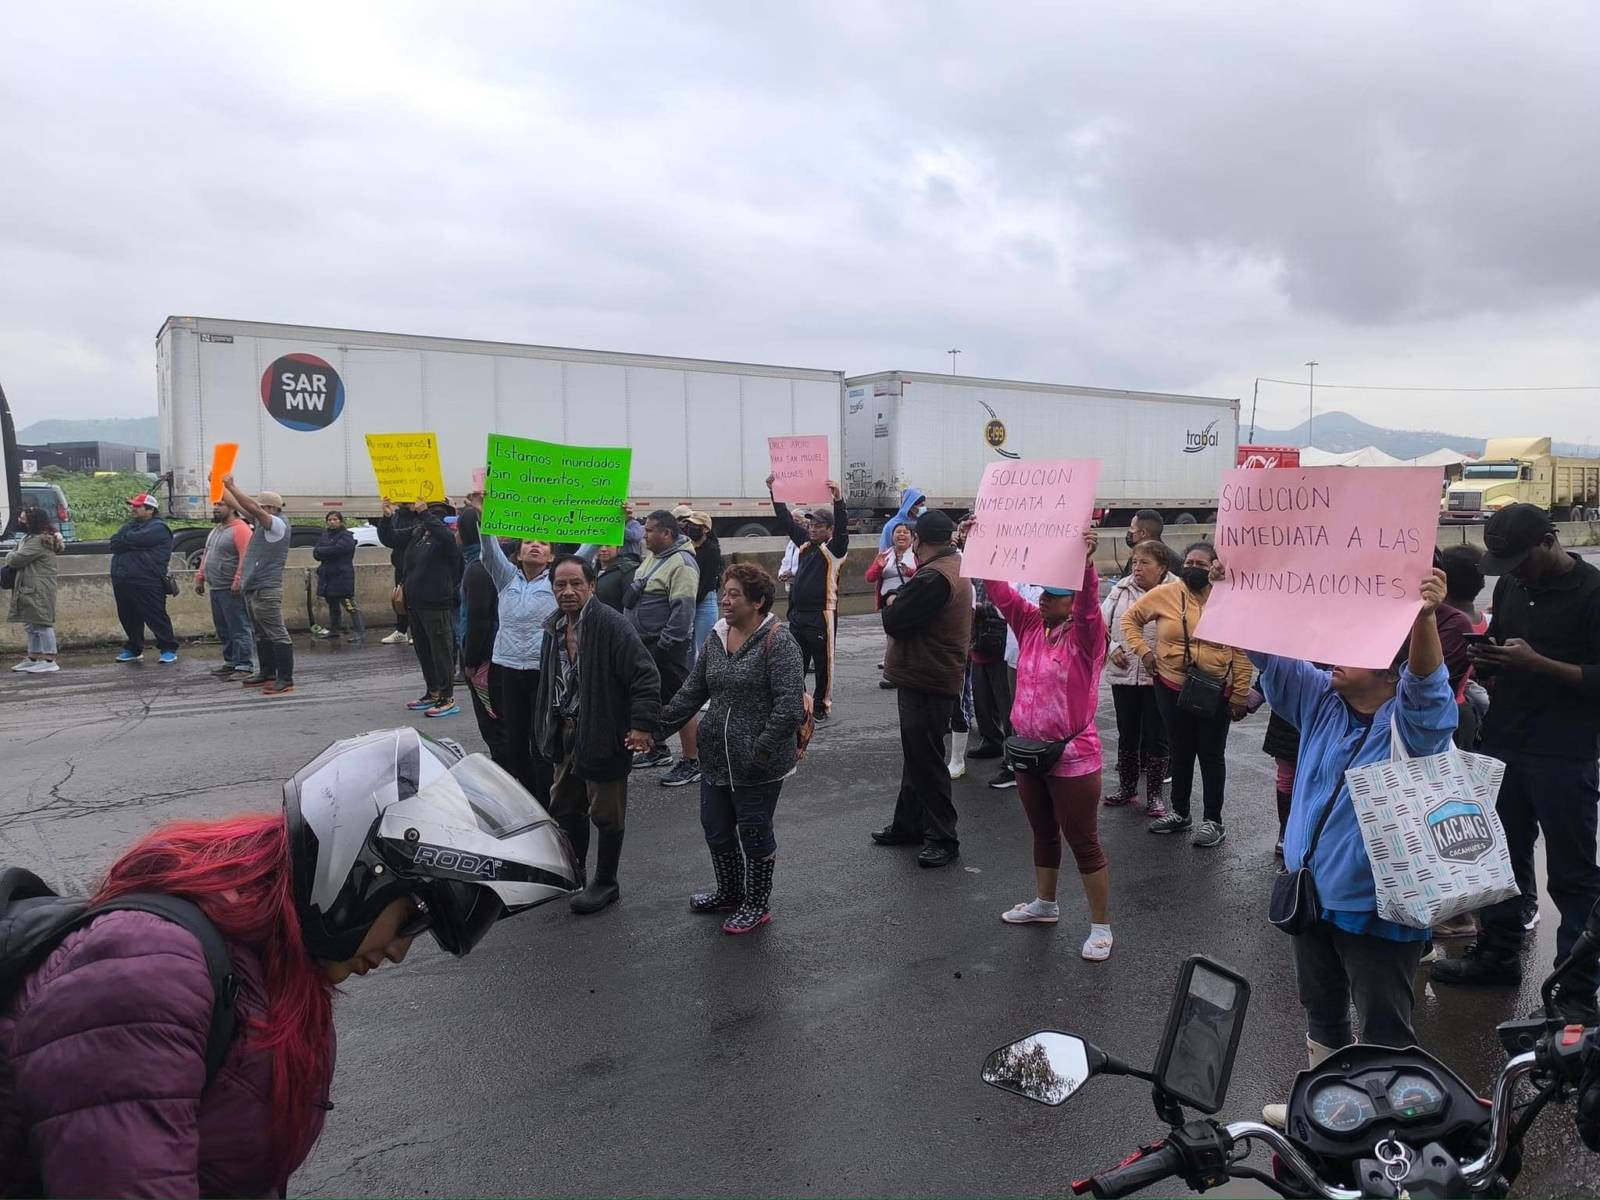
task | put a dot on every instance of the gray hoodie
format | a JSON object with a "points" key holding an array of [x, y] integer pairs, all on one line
{"points": [[757, 697]]}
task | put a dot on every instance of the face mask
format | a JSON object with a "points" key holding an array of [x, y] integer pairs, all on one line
{"points": [[1195, 578], [1130, 539]]}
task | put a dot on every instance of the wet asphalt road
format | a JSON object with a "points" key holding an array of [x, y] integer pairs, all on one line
{"points": [[641, 1051]]}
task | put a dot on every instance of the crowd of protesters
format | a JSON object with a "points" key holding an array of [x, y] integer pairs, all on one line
{"points": [[582, 662]]}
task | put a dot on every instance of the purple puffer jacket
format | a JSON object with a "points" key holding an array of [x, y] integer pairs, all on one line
{"points": [[102, 1062]]}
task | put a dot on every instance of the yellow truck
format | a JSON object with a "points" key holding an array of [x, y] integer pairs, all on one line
{"points": [[1523, 470]]}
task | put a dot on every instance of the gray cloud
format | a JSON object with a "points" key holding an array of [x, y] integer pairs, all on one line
{"points": [[1157, 196]]}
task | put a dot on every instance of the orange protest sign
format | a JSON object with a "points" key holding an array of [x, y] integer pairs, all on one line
{"points": [[223, 456]]}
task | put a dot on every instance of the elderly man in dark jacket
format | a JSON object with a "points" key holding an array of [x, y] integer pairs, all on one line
{"points": [[141, 553], [599, 700], [929, 623]]}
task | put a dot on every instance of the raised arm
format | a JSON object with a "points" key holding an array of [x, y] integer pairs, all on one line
{"points": [[245, 504], [839, 544], [500, 568]]}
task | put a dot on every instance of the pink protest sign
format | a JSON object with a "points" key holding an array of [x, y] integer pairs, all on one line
{"points": [[1323, 563], [799, 468], [1029, 521]]}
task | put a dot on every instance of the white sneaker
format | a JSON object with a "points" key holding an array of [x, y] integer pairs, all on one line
{"points": [[25, 665], [958, 768], [396, 639], [42, 666]]}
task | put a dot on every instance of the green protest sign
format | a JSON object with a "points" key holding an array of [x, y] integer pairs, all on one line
{"points": [[555, 493]]}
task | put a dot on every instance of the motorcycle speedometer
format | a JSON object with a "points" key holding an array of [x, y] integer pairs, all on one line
{"points": [[1339, 1108], [1413, 1095]]}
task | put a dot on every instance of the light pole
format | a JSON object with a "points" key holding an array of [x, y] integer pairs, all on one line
{"points": [[952, 354], [1311, 399]]}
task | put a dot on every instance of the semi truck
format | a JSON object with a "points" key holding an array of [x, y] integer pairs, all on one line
{"points": [[299, 401], [1523, 470], [938, 433]]}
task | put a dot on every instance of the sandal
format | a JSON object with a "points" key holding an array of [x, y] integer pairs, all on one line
{"points": [[1023, 914], [1097, 948]]}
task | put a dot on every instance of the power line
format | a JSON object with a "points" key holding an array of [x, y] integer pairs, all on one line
{"points": [[1375, 387]]}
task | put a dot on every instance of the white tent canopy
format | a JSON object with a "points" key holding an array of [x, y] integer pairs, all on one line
{"points": [[1371, 456], [1367, 456], [1442, 458]]}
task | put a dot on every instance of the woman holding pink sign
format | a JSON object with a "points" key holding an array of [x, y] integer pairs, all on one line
{"points": [[1056, 750]]}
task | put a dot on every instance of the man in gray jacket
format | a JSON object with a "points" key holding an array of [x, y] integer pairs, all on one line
{"points": [[660, 605], [261, 583]]}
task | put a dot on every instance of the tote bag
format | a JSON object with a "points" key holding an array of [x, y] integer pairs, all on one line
{"points": [[1437, 847]]}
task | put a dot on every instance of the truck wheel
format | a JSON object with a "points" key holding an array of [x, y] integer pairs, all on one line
{"points": [[752, 529]]}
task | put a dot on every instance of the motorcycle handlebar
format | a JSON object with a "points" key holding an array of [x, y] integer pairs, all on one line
{"points": [[1140, 1173]]}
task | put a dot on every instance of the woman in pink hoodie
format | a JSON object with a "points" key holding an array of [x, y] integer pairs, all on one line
{"points": [[1062, 646]]}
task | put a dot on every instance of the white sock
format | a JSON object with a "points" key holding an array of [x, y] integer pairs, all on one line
{"points": [[1043, 908], [1099, 931]]}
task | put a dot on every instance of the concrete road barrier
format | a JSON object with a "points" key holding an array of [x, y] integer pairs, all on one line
{"points": [[86, 610]]}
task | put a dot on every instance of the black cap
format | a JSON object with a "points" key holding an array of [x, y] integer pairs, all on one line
{"points": [[1511, 535], [935, 528]]}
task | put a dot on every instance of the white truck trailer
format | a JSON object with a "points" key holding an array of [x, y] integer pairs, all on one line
{"points": [[938, 432], [299, 400]]}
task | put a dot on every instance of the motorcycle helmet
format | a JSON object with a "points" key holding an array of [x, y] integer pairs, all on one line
{"points": [[393, 814]]}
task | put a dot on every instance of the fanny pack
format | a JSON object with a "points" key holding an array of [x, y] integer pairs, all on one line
{"points": [[1296, 907], [1033, 756]]}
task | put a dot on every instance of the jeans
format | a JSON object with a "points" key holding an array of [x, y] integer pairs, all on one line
{"points": [[739, 816], [1191, 737], [991, 700], [1334, 968], [140, 604], [338, 607], [1558, 796], [925, 805], [231, 616], [705, 616], [434, 639], [515, 693]]}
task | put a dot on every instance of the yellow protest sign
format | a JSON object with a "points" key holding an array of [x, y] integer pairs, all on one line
{"points": [[407, 466]]}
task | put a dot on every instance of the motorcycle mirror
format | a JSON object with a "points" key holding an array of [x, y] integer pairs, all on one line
{"points": [[1047, 1066]]}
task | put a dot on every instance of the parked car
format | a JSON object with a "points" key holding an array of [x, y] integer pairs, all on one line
{"points": [[53, 500]]}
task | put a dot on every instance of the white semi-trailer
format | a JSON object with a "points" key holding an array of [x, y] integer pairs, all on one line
{"points": [[938, 433], [300, 401]]}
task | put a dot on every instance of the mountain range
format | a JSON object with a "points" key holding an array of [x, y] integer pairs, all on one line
{"points": [[141, 432], [1340, 432], [1335, 431]]}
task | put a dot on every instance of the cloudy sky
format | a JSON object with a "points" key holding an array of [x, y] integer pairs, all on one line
{"points": [[1178, 196]]}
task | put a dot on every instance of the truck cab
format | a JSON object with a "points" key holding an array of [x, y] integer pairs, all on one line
{"points": [[1523, 471]]}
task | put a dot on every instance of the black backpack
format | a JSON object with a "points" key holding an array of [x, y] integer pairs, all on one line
{"points": [[34, 920]]}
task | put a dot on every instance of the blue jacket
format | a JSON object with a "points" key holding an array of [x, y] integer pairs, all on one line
{"points": [[141, 552], [1332, 740], [526, 605], [913, 497]]}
